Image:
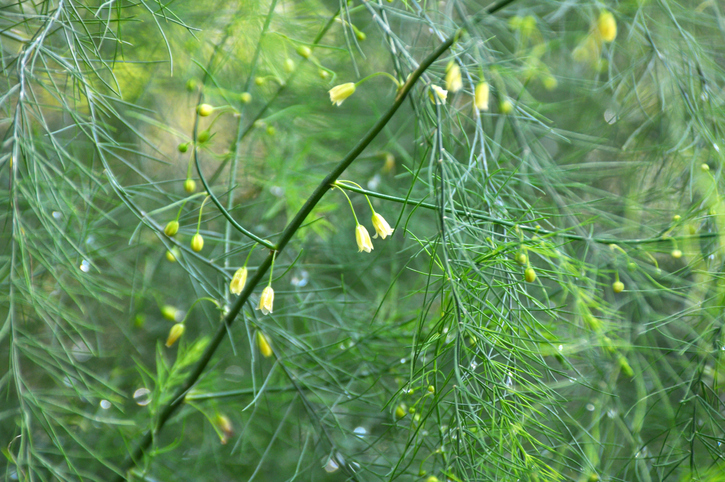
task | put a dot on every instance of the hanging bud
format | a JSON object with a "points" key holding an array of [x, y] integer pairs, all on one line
{"points": [[170, 312], [204, 135], [183, 147], [506, 107], [304, 51], [324, 74], [607, 26], [238, 281], [530, 275], [382, 228], [480, 96], [617, 286], [363, 239], [197, 242], [191, 85], [454, 83], [173, 255], [245, 97], [171, 228], [289, 65], [266, 301], [225, 426], [264, 345], [175, 333], [339, 93], [190, 186], [401, 411], [676, 253], [204, 110]]}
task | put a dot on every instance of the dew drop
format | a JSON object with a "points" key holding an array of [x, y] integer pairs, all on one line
{"points": [[105, 404], [590, 407], [85, 266], [360, 431], [331, 466], [142, 397], [57, 214]]}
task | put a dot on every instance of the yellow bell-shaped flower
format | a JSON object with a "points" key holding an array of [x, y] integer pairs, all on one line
{"points": [[339, 93], [454, 83], [607, 26], [265, 348], [266, 301], [382, 228], [238, 281], [175, 333], [480, 96], [363, 239]]}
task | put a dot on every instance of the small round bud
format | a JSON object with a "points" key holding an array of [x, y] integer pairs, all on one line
{"points": [[172, 227], [183, 147], [400, 411], [530, 275], [197, 242], [190, 186], [191, 85], [676, 253], [259, 81], [676, 217], [431, 389], [205, 110], [204, 135], [245, 97], [550, 82], [173, 255], [594, 477], [506, 107], [704, 167], [632, 266], [304, 51], [170, 312], [264, 346], [289, 65], [618, 286], [521, 258], [432, 478], [324, 74], [360, 35], [271, 130]]}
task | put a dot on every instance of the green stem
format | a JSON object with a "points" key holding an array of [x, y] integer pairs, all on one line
{"points": [[375, 75], [342, 183], [201, 210], [357, 223]]}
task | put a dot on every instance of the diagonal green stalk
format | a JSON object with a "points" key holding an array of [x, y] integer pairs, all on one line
{"points": [[325, 185]]}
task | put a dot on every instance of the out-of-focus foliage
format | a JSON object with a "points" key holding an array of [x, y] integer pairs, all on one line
{"points": [[549, 306]]}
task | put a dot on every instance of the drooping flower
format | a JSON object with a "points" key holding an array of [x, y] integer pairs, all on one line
{"points": [[440, 94], [454, 83], [266, 301], [339, 93], [363, 239], [607, 26], [480, 96], [238, 281], [175, 333], [265, 348], [382, 228]]}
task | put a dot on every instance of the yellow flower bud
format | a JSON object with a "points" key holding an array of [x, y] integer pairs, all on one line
{"points": [[363, 239], [607, 26], [624, 365], [304, 51], [175, 333], [382, 228], [432, 478], [323, 73], [454, 83], [480, 96], [676, 253], [204, 110], [173, 255], [440, 94], [264, 346], [400, 411], [170, 312], [704, 167], [506, 107], [289, 65], [339, 93], [197, 242], [245, 97], [190, 186], [171, 228], [238, 281], [191, 85], [530, 275], [617, 286], [225, 425], [266, 301]]}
